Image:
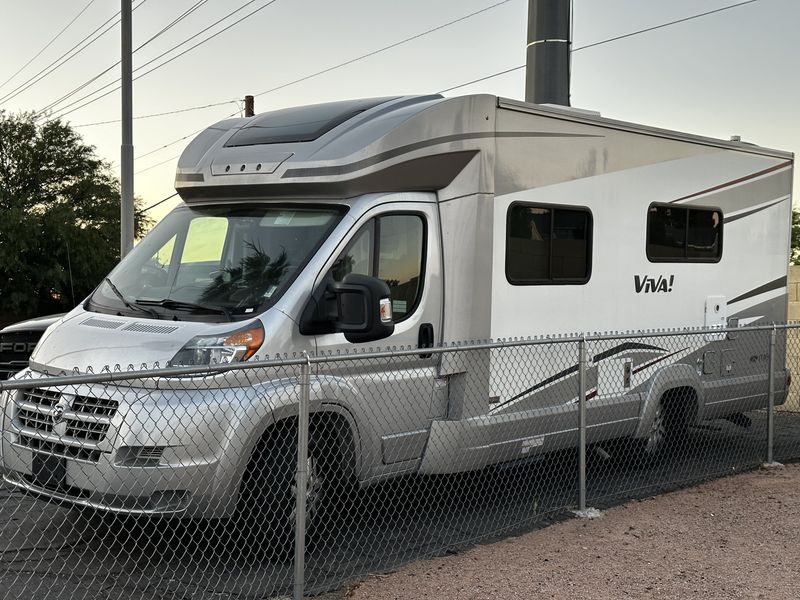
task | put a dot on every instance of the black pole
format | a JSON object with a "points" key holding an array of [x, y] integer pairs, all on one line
{"points": [[249, 106], [547, 70]]}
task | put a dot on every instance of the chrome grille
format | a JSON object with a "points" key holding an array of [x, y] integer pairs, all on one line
{"points": [[95, 406], [84, 423], [35, 420]]}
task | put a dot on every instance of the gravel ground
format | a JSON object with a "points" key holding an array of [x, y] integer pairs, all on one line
{"points": [[735, 537]]}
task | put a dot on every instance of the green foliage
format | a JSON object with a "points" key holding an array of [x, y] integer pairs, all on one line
{"points": [[795, 256], [59, 214]]}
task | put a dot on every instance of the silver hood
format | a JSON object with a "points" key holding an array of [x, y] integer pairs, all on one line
{"points": [[87, 341]]}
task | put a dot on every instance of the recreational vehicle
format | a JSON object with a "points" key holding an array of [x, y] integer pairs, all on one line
{"points": [[406, 222]]}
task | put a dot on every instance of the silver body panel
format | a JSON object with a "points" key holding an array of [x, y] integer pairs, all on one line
{"points": [[459, 163]]}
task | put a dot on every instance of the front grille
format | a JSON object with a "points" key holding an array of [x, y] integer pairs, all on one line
{"points": [[35, 420], [64, 424], [95, 406], [64, 450]]}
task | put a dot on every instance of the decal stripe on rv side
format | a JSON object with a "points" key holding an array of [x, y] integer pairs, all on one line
{"points": [[747, 213], [777, 167], [574, 368], [767, 287], [408, 148]]}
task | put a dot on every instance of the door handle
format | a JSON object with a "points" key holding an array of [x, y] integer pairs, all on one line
{"points": [[425, 339]]}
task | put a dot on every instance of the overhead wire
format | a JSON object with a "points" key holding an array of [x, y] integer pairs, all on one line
{"points": [[161, 114], [88, 82], [327, 70], [66, 57], [383, 49], [152, 206], [318, 73], [607, 41], [48, 44], [166, 62]]}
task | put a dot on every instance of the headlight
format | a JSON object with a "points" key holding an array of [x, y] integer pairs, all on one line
{"points": [[220, 349]]}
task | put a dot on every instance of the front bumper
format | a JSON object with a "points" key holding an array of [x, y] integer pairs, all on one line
{"points": [[189, 436]]}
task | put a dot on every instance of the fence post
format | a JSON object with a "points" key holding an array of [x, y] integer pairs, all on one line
{"points": [[582, 425], [771, 406], [301, 480]]}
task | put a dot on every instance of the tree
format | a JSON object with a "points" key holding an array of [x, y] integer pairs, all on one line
{"points": [[795, 256], [59, 216]]}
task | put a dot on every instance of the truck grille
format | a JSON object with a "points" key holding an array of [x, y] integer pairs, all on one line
{"points": [[83, 423]]}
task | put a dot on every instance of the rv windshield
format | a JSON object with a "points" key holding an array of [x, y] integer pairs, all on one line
{"points": [[215, 263]]}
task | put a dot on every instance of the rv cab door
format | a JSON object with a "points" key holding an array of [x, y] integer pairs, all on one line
{"points": [[399, 243]]}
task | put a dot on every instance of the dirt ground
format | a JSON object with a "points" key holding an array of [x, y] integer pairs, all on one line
{"points": [[736, 537]]}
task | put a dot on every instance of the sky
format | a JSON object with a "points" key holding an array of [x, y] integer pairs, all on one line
{"points": [[730, 73]]}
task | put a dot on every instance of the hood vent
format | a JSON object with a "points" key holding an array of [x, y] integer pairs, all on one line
{"points": [[101, 323], [147, 328]]}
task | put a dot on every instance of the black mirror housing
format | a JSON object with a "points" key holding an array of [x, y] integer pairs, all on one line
{"points": [[364, 308], [359, 306]]}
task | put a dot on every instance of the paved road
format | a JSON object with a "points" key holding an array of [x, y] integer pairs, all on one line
{"points": [[50, 552]]}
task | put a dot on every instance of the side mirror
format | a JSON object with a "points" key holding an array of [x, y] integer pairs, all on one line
{"points": [[359, 306], [364, 308]]}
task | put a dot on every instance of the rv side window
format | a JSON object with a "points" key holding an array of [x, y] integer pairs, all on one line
{"points": [[548, 244], [683, 234], [398, 242]]}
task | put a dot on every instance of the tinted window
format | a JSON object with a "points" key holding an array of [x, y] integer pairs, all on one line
{"points": [[400, 260], [398, 243], [547, 244], [678, 234]]}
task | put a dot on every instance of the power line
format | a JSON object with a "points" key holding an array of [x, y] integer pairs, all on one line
{"points": [[172, 143], [640, 31], [166, 62], [327, 70], [378, 51], [48, 44], [158, 164], [161, 114], [66, 57], [318, 73], [492, 76], [87, 83], [607, 41], [152, 206]]}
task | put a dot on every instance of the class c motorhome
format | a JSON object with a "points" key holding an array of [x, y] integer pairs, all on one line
{"points": [[404, 222]]}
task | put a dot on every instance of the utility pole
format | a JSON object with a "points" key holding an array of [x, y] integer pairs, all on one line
{"points": [[126, 150], [249, 106], [547, 68]]}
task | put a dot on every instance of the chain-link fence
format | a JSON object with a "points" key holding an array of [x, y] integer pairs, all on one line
{"points": [[293, 476]]}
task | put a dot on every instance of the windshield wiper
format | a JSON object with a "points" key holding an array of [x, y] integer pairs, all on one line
{"points": [[147, 311], [181, 305]]}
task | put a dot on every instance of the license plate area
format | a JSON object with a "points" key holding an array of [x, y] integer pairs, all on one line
{"points": [[49, 471]]}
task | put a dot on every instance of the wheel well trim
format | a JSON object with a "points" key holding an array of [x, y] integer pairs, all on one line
{"points": [[666, 379]]}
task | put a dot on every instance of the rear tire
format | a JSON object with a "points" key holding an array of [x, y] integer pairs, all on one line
{"points": [[667, 430]]}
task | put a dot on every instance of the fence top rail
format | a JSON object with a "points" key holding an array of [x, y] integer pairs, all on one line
{"points": [[117, 374]]}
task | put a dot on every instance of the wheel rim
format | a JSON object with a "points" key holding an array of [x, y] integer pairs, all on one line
{"points": [[658, 431], [314, 489]]}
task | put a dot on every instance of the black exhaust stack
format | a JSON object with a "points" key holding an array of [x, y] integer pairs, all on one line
{"points": [[548, 60]]}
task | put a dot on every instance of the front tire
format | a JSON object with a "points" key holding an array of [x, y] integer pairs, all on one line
{"points": [[266, 512]]}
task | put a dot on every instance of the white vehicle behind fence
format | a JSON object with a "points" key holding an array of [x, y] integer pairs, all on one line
{"points": [[409, 221]]}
